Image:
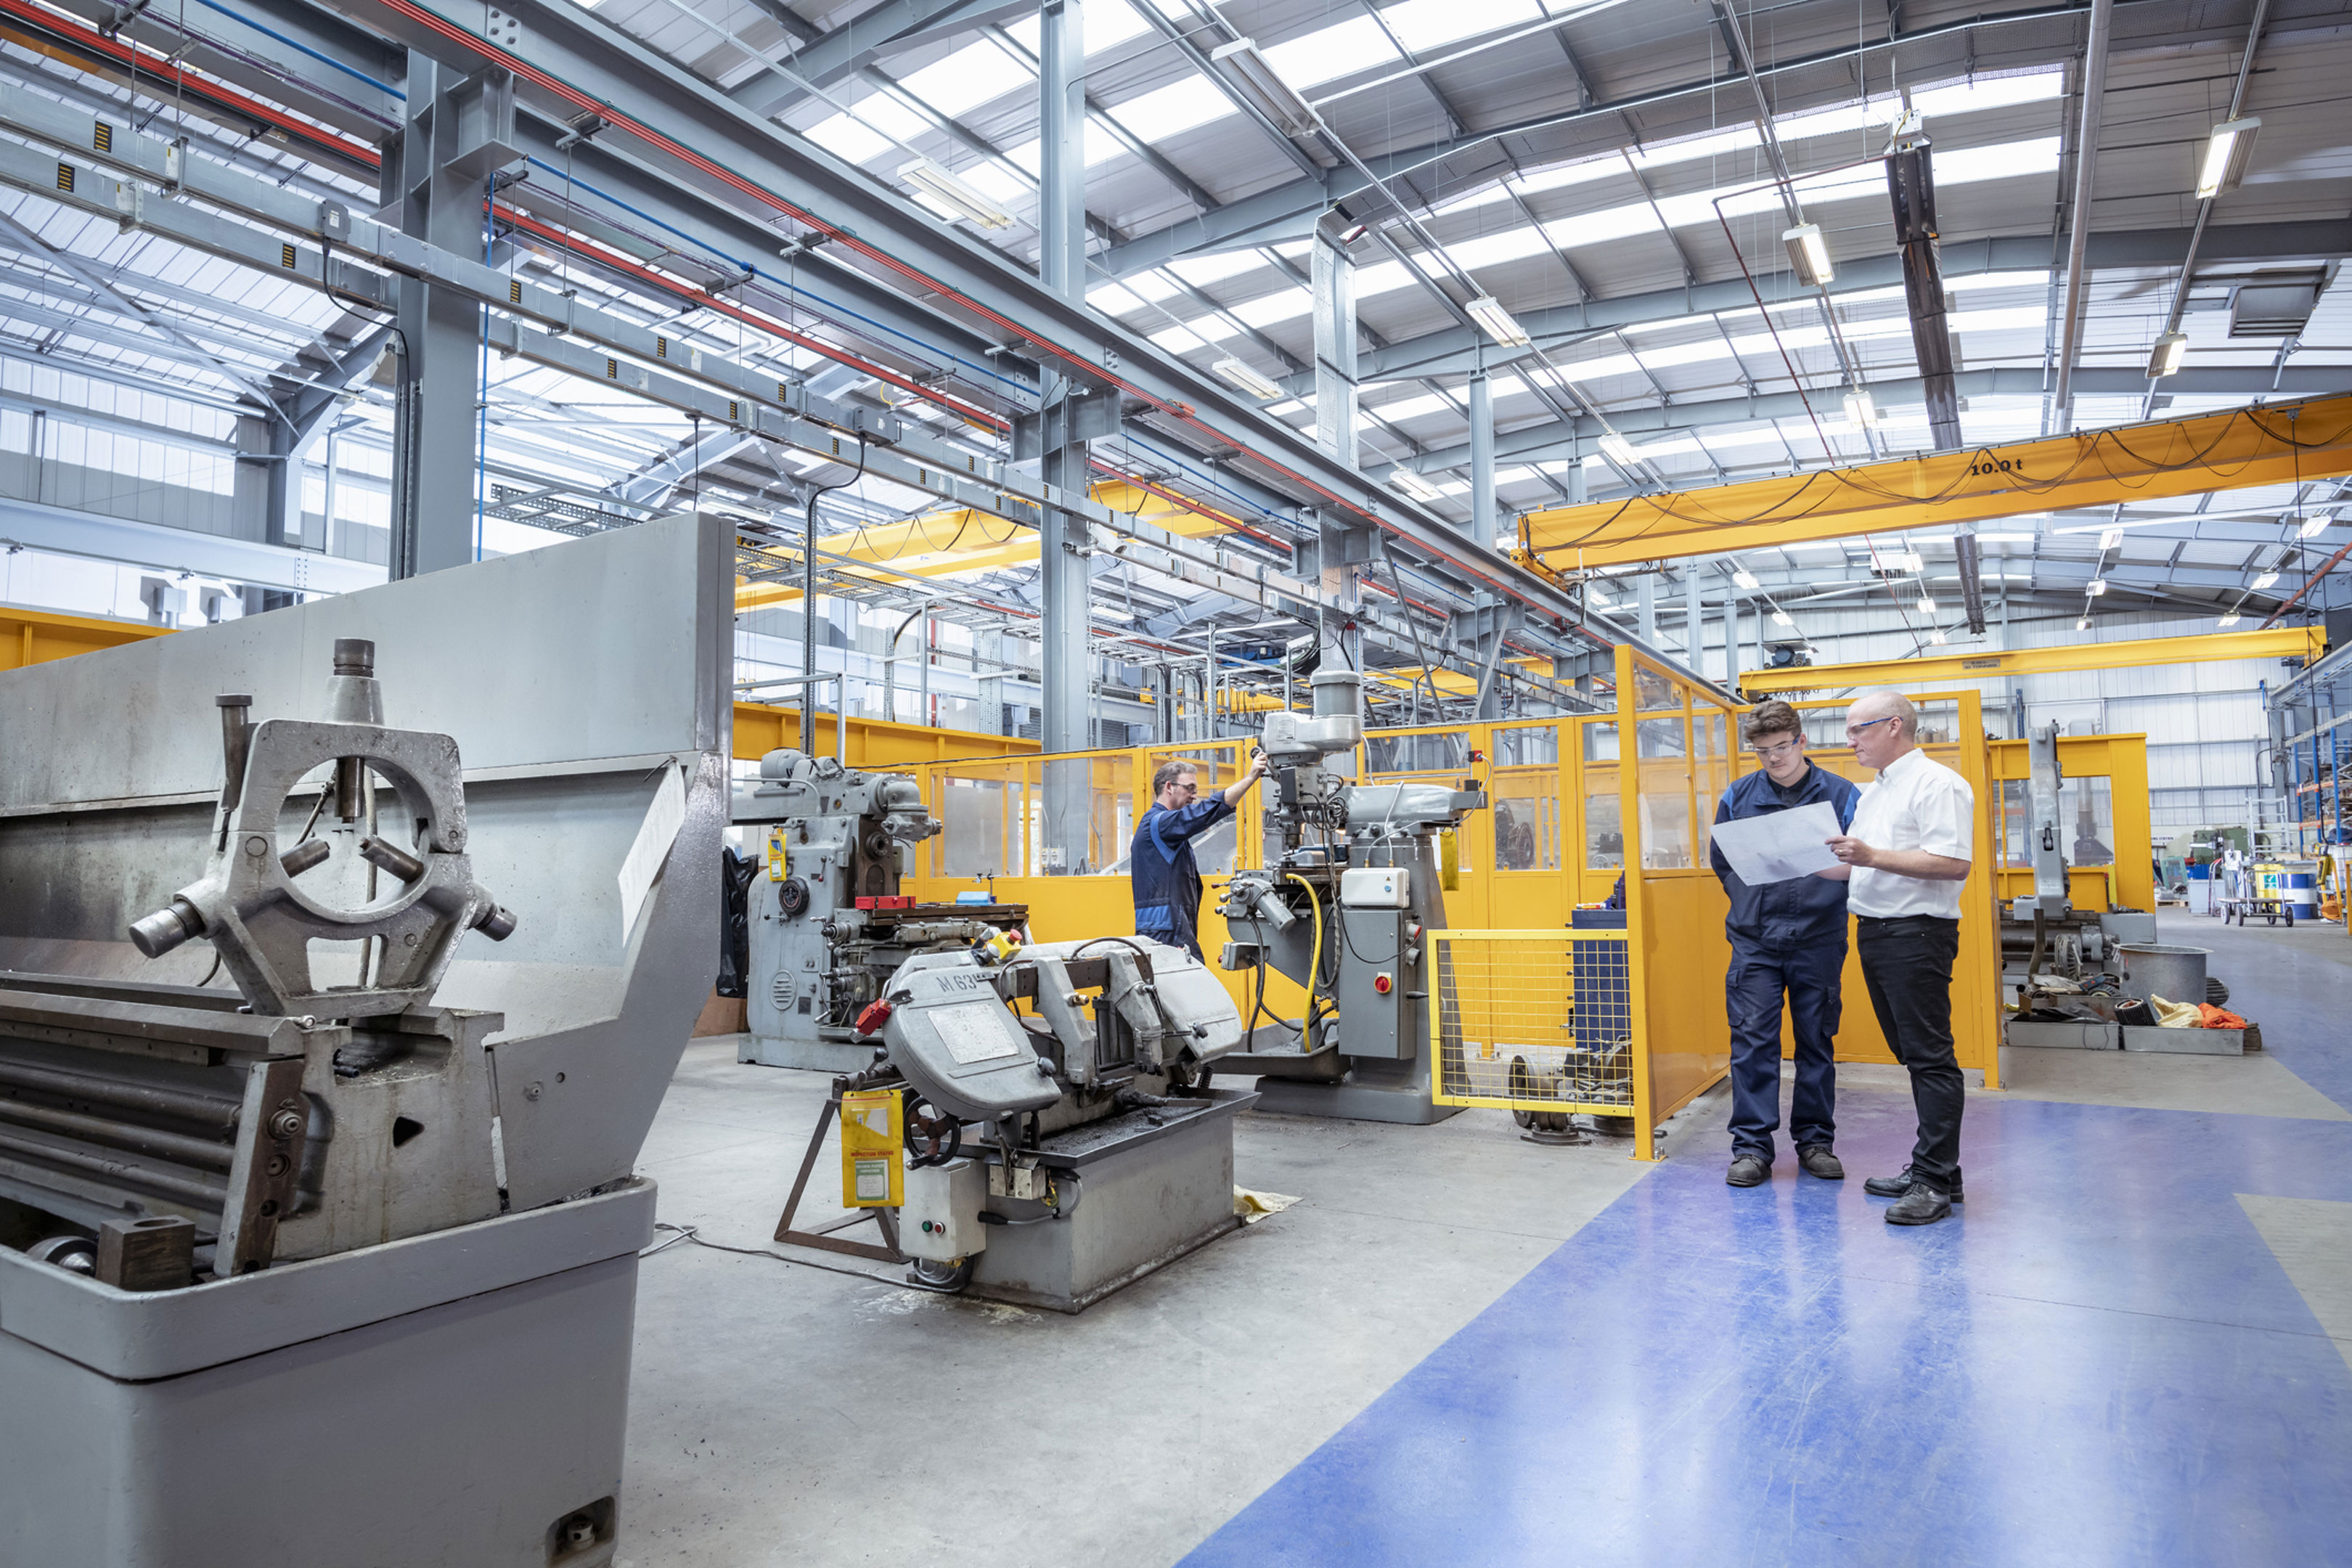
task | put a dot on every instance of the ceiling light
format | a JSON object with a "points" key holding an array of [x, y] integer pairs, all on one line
{"points": [[2229, 620], [931, 180], [1595, 600], [2084, 624], [2226, 155], [1264, 86], [1745, 578], [2096, 586], [1926, 605], [1782, 619], [1618, 450], [2268, 579], [1935, 634], [1414, 485], [1808, 253], [2164, 358], [2009, 539], [1860, 411], [2110, 538], [1496, 321], [1237, 374], [2312, 525]]}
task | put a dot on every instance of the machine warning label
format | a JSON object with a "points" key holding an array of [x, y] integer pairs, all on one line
{"points": [[974, 1031], [873, 1179]]}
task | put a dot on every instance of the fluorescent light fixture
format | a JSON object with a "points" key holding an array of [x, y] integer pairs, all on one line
{"points": [[1860, 411], [2084, 624], [1595, 600], [2313, 525], [2227, 151], [2096, 586], [1745, 578], [1926, 605], [2009, 538], [1809, 254], [2267, 580], [1782, 619], [2229, 620], [1496, 321], [2111, 538], [2164, 358], [1414, 485], [1265, 87], [931, 180], [1618, 450], [1239, 375], [1935, 634]]}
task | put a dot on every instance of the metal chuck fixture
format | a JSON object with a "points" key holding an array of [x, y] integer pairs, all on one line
{"points": [[263, 906]]}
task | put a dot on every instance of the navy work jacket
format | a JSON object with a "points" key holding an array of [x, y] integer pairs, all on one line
{"points": [[1166, 879], [1782, 916]]}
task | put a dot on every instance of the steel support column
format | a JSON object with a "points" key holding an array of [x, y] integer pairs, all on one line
{"points": [[1645, 608], [2086, 164], [1064, 546], [435, 446], [1482, 457], [1334, 279], [1695, 622]]}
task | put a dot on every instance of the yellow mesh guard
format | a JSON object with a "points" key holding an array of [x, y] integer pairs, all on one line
{"points": [[1534, 1020]]}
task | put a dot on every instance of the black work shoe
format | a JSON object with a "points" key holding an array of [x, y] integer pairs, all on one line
{"points": [[1894, 1186], [1817, 1161], [1923, 1205], [1748, 1170]]}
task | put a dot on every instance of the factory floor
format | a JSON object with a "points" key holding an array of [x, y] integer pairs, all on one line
{"points": [[2132, 1344]]}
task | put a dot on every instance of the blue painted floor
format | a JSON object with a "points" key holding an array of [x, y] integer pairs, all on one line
{"points": [[2098, 1361]]}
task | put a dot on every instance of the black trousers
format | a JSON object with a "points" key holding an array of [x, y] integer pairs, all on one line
{"points": [[1908, 963]]}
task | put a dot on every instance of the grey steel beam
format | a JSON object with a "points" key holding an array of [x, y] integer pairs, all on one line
{"points": [[891, 28], [2086, 166], [61, 531], [1333, 293], [569, 65], [1452, 351]]}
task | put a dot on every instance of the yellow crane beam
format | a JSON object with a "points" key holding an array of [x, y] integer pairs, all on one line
{"points": [[1910, 674], [2279, 443]]}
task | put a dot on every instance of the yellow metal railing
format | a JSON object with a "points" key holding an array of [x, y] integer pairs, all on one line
{"points": [[1541, 1022]]}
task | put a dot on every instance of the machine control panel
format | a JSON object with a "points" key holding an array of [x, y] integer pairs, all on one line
{"points": [[1376, 888]]}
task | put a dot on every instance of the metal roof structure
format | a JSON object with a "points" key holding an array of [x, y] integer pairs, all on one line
{"points": [[1606, 172]]}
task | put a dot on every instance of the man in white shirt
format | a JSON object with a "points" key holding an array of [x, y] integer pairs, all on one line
{"points": [[1908, 851]]}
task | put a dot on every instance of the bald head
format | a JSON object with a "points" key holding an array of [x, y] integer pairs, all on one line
{"points": [[1884, 702]]}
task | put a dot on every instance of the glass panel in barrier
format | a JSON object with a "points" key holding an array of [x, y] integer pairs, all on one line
{"points": [[1599, 739], [1664, 746], [977, 815], [1213, 768], [1525, 789], [1605, 837], [1939, 723], [2087, 810], [1711, 728], [1433, 751], [2016, 821], [1653, 691]]}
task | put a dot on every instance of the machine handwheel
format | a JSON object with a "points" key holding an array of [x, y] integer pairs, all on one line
{"points": [[934, 1137]]}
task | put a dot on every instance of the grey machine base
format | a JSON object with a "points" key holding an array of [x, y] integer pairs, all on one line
{"points": [[1149, 1194], [811, 1056], [2073, 1035], [2185, 1042], [1327, 1083], [447, 1401]]}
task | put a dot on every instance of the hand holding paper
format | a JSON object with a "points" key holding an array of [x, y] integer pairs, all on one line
{"points": [[1779, 846]]}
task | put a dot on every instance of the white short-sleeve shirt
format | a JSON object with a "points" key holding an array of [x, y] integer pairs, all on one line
{"points": [[1917, 802]]}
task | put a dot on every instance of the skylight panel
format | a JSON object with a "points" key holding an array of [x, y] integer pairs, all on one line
{"points": [[1567, 175], [1329, 53], [967, 78], [1611, 223], [1107, 23], [1203, 270], [1114, 300], [842, 136], [880, 112], [2003, 160], [1734, 139], [1492, 250], [1172, 110], [1990, 92], [1285, 305], [1178, 339], [1150, 286], [1421, 26]]}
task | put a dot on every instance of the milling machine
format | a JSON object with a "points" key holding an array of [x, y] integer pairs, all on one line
{"points": [[828, 925], [2042, 933], [1342, 911], [1058, 1150], [319, 1233]]}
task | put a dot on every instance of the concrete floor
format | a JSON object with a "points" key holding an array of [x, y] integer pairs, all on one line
{"points": [[1253, 1403]]}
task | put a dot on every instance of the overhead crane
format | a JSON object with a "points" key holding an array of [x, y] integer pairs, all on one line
{"points": [[2273, 444], [2283, 642]]}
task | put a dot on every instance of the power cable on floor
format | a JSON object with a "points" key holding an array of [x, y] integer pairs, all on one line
{"points": [[693, 1234]]}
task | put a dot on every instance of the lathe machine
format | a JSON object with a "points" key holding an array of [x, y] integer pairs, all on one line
{"points": [[346, 951]]}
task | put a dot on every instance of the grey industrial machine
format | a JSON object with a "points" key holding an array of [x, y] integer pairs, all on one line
{"points": [[1062, 1133], [1353, 885], [345, 953], [2043, 931], [827, 923]]}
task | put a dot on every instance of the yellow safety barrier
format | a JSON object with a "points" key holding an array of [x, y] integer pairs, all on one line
{"points": [[1538, 1022]]}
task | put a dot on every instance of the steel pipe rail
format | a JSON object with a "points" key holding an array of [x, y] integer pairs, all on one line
{"points": [[2280, 443]]}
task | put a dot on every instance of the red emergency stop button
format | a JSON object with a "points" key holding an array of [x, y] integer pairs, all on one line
{"points": [[1384, 984], [875, 1015]]}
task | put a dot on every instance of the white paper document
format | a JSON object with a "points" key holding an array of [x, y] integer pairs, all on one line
{"points": [[1779, 846], [664, 817]]}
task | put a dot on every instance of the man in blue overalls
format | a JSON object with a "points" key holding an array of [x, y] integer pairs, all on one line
{"points": [[1788, 941], [1167, 880]]}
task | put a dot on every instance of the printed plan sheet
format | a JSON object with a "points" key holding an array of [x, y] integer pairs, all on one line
{"points": [[1779, 846]]}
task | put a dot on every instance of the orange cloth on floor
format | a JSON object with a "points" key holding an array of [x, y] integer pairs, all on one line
{"points": [[2208, 1016]]}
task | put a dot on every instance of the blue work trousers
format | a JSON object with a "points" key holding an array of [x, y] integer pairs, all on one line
{"points": [[1757, 982]]}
